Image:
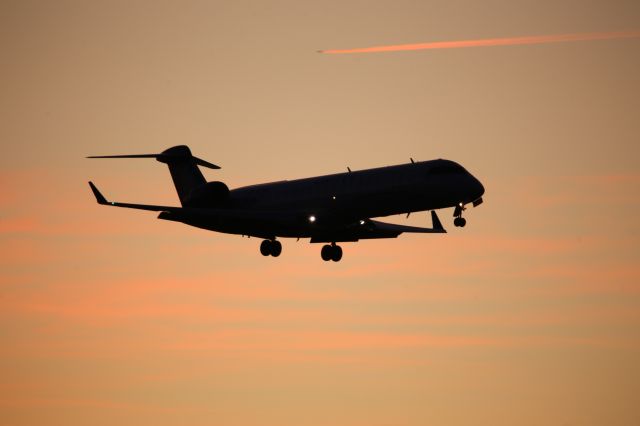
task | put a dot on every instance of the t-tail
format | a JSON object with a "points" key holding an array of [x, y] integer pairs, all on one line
{"points": [[183, 167]]}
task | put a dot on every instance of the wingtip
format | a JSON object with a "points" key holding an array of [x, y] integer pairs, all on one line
{"points": [[99, 197]]}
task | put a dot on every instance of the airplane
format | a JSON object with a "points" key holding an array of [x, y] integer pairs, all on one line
{"points": [[327, 209]]}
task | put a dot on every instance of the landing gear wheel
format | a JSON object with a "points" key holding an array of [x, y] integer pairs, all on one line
{"points": [[270, 248], [336, 253], [276, 248], [460, 221], [326, 253], [331, 252], [265, 248]]}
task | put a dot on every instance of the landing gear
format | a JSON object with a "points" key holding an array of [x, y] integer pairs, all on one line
{"points": [[331, 252], [460, 221], [457, 213], [271, 248]]}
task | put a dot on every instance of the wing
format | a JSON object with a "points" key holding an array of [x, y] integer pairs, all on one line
{"points": [[360, 230], [373, 229], [101, 200]]}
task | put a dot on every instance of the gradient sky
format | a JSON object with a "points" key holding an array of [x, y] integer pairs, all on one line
{"points": [[530, 315]]}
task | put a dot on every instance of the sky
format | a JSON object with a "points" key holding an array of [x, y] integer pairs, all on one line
{"points": [[529, 315]]}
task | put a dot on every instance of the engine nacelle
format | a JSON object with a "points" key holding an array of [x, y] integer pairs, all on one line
{"points": [[211, 194]]}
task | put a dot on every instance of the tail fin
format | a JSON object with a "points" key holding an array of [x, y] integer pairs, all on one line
{"points": [[182, 165]]}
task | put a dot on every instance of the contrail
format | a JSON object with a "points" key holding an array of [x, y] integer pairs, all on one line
{"points": [[510, 41]]}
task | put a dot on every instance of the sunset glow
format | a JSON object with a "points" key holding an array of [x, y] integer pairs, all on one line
{"points": [[528, 316]]}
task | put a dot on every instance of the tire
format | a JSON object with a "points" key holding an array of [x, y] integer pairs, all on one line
{"points": [[265, 248], [326, 252], [276, 248], [336, 254]]}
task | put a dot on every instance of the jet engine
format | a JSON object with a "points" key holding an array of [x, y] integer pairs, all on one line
{"points": [[211, 194]]}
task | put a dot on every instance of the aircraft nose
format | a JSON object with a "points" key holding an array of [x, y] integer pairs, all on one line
{"points": [[478, 189]]}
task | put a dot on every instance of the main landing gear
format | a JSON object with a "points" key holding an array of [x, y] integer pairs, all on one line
{"points": [[271, 248], [331, 252], [457, 213]]}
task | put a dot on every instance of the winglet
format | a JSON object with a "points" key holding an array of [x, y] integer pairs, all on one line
{"points": [[99, 197], [437, 225]]}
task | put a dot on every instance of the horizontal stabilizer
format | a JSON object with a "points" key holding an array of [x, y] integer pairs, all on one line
{"points": [[169, 155]]}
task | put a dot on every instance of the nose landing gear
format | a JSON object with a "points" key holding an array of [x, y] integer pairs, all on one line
{"points": [[331, 252], [457, 213], [271, 248], [460, 221]]}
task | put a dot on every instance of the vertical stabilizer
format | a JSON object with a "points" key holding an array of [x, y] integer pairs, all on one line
{"points": [[184, 171]]}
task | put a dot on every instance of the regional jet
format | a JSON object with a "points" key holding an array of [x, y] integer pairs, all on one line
{"points": [[326, 209]]}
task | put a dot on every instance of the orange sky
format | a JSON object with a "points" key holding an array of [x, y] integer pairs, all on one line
{"points": [[529, 315]]}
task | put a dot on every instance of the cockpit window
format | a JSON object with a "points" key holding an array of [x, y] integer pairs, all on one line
{"points": [[446, 167]]}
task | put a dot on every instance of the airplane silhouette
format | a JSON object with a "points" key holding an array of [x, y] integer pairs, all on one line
{"points": [[327, 209]]}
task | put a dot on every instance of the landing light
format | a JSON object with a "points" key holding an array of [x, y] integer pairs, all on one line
{"points": [[361, 222], [312, 218]]}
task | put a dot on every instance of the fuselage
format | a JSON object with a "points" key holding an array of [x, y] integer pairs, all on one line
{"points": [[301, 207]]}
